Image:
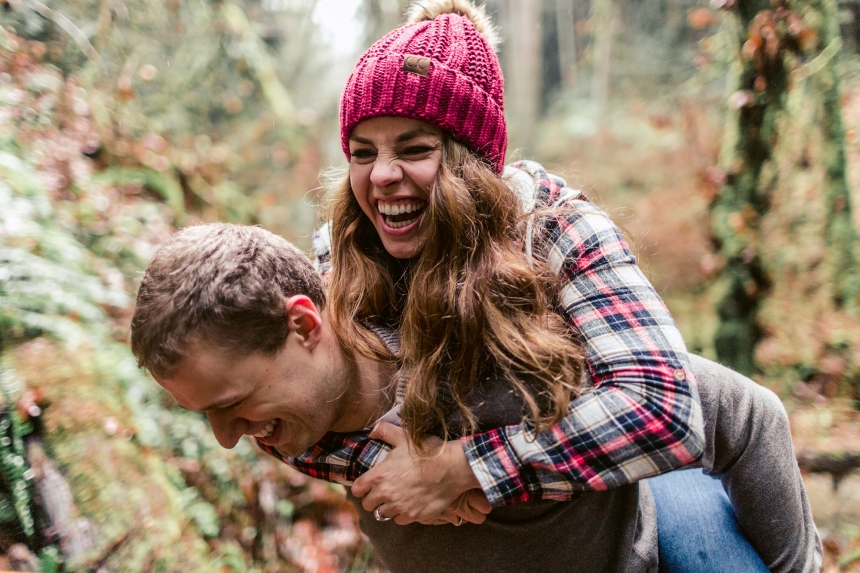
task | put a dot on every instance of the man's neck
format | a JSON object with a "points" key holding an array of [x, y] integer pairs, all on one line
{"points": [[369, 390], [375, 381]]}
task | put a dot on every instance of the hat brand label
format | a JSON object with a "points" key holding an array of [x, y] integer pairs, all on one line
{"points": [[416, 64]]}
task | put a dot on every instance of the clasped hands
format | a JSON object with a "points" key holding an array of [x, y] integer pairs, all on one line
{"points": [[434, 489]]}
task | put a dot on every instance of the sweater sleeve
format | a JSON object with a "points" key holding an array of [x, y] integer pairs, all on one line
{"points": [[641, 418]]}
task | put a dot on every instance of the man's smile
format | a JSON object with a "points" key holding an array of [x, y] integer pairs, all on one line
{"points": [[267, 431]]}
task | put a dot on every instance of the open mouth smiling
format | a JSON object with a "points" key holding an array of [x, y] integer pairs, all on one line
{"points": [[401, 214], [267, 431]]}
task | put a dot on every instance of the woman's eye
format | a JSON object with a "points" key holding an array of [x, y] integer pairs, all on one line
{"points": [[363, 154], [418, 150]]}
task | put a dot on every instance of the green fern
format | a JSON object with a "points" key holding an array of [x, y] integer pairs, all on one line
{"points": [[16, 475]]}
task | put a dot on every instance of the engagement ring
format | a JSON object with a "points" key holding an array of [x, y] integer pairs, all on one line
{"points": [[459, 522], [379, 517]]}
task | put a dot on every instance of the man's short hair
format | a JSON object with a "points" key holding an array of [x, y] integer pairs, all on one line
{"points": [[219, 283]]}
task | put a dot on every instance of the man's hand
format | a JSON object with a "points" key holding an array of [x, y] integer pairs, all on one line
{"points": [[427, 489]]}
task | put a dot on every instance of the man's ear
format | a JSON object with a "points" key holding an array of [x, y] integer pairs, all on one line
{"points": [[304, 320]]}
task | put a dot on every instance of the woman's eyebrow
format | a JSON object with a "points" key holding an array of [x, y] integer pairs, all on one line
{"points": [[400, 138], [413, 134]]}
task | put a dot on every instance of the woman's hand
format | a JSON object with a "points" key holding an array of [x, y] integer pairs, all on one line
{"points": [[471, 507], [412, 489]]}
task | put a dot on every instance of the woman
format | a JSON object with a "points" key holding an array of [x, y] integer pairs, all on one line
{"points": [[430, 238]]}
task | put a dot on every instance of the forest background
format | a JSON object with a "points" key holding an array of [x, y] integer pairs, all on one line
{"points": [[722, 135]]}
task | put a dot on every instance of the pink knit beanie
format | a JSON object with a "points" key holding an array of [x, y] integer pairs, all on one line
{"points": [[439, 69]]}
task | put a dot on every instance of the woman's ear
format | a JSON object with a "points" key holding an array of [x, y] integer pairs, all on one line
{"points": [[304, 320]]}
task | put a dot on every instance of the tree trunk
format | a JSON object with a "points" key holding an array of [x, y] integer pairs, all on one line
{"points": [[782, 221], [737, 210], [380, 17], [604, 15], [565, 13], [521, 20]]}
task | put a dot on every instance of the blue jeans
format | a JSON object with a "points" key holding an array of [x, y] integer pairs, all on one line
{"points": [[697, 529]]}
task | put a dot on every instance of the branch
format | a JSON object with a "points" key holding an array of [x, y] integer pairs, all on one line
{"points": [[262, 63], [77, 35], [837, 465]]}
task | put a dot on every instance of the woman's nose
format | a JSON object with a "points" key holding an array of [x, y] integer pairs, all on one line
{"points": [[385, 172]]}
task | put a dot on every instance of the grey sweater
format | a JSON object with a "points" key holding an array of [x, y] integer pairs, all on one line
{"points": [[748, 446]]}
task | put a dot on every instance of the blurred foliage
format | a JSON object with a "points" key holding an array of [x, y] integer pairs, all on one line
{"points": [[781, 206], [662, 153], [175, 113], [121, 121], [191, 99]]}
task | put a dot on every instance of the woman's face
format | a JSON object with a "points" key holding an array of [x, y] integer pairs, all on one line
{"points": [[393, 164]]}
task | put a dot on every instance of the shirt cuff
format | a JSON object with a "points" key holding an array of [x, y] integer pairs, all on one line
{"points": [[496, 466]]}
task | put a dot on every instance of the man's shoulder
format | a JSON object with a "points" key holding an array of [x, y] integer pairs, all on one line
{"points": [[321, 249], [539, 189]]}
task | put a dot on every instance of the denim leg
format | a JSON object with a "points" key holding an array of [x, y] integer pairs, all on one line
{"points": [[697, 529], [748, 446]]}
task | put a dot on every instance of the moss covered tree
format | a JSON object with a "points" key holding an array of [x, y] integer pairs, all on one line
{"points": [[782, 221]]}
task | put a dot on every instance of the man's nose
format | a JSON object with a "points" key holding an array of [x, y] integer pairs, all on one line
{"points": [[227, 429], [386, 171]]}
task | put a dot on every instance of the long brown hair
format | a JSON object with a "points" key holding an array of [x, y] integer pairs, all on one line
{"points": [[469, 305]]}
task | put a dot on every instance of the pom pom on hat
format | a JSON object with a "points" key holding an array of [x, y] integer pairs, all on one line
{"points": [[441, 68], [430, 9]]}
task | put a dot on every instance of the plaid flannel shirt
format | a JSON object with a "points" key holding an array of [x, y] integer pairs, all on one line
{"points": [[641, 417]]}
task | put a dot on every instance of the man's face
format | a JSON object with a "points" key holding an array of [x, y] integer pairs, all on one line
{"points": [[288, 400]]}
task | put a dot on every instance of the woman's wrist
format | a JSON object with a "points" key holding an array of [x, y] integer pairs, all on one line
{"points": [[460, 474]]}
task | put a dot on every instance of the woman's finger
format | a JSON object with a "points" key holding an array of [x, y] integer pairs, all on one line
{"points": [[470, 515], [447, 518], [469, 507], [362, 486], [382, 513], [477, 500], [374, 499], [451, 518], [390, 434]]}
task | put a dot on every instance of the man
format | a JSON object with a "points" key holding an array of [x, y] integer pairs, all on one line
{"points": [[224, 339], [231, 321]]}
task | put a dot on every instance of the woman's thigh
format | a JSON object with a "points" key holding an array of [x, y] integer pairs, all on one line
{"points": [[697, 529]]}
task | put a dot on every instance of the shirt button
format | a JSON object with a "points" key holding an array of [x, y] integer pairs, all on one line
{"points": [[679, 374]]}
